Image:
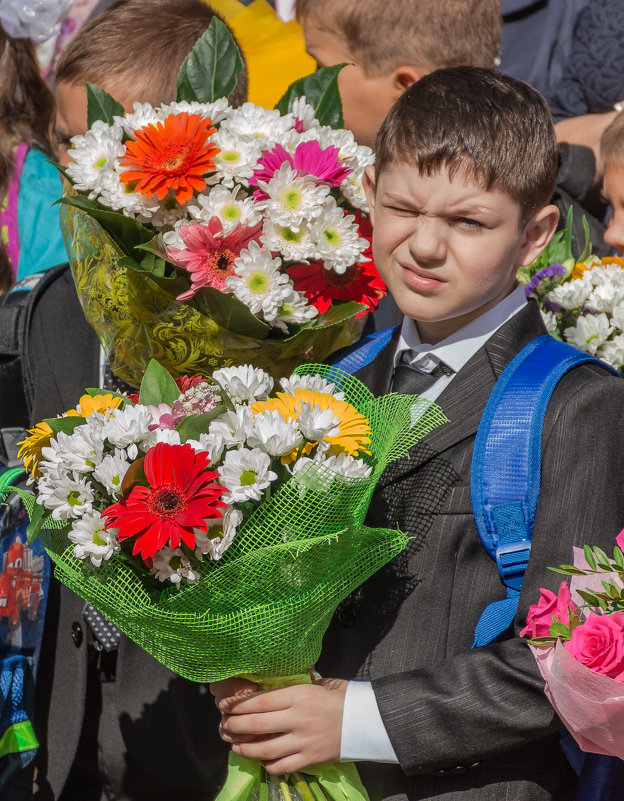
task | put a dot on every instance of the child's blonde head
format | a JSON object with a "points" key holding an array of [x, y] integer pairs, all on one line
{"points": [[135, 48], [381, 36], [612, 144]]}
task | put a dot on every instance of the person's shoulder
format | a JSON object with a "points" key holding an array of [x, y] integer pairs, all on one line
{"points": [[588, 397]]}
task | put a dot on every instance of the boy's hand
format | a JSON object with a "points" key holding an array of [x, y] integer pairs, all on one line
{"points": [[286, 729]]}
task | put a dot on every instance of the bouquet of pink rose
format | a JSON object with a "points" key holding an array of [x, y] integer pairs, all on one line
{"points": [[577, 639]]}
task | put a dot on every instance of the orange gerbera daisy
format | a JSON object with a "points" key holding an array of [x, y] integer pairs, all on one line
{"points": [[171, 155]]}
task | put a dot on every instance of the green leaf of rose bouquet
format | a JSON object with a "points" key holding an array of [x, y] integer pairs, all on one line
{"points": [[321, 92], [157, 386], [101, 105]]}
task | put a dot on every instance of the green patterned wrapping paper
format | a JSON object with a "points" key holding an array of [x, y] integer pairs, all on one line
{"points": [[137, 320]]}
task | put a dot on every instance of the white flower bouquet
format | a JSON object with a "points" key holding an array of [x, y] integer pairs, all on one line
{"points": [[218, 525], [205, 235], [582, 302]]}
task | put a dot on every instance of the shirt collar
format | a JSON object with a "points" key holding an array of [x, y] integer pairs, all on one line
{"points": [[455, 351]]}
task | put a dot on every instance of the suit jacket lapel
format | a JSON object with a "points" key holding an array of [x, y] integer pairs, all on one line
{"points": [[465, 398]]}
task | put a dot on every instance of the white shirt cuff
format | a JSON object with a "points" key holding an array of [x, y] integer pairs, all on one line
{"points": [[364, 736]]}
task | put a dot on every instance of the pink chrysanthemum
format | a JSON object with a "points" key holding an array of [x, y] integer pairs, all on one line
{"points": [[308, 159], [208, 256]]}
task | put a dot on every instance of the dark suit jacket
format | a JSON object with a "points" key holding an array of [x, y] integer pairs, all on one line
{"points": [[474, 724], [158, 732]]}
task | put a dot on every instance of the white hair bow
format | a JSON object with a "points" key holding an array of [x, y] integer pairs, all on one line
{"points": [[34, 19]]}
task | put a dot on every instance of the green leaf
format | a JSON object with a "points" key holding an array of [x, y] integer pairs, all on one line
{"points": [[101, 105], [37, 517], [321, 92], [618, 556], [230, 313], [601, 557], [65, 424], [539, 641], [191, 427], [589, 557], [587, 249], [560, 630], [589, 597], [211, 68], [157, 386], [126, 232]]}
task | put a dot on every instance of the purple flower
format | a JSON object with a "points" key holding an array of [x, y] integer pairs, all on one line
{"points": [[551, 271]]}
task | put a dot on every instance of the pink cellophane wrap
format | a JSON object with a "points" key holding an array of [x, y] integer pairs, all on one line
{"points": [[590, 705]]}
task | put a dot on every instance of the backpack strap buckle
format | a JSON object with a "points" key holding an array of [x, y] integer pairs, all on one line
{"points": [[511, 560]]}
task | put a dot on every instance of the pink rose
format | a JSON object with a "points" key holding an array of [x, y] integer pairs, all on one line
{"points": [[619, 540], [540, 617], [598, 643]]}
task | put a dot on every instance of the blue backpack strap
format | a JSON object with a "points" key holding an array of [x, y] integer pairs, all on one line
{"points": [[506, 466], [362, 353]]}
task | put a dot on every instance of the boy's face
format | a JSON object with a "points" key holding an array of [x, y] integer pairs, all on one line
{"points": [[613, 190], [448, 249], [71, 116], [366, 99]]}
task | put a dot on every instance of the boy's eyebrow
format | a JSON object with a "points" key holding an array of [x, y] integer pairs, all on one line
{"points": [[465, 209]]}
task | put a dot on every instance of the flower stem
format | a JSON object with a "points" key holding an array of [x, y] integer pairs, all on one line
{"points": [[305, 788], [285, 790], [317, 791]]}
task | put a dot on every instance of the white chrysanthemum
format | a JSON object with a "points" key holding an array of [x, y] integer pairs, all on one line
{"points": [[353, 190], [606, 296], [230, 428], [55, 456], [315, 383], [550, 321], [94, 155], [110, 472], [258, 282], [613, 351], [617, 318], [591, 331], [211, 443], [292, 200], [273, 434], [320, 473], [172, 238], [85, 450], [143, 114], [316, 423], [573, 294], [167, 435], [244, 383], [120, 197], [233, 207], [254, 122], [217, 111], [92, 540], [348, 466], [337, 238], [236, 160], [292, 245], [167, 213], [130, 426], [295, 310], [220, 535], [604, 274], [304, 113], [171, 564], [67, 497], [246, 474]]}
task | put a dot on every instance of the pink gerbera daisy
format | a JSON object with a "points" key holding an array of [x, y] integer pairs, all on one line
{"points": [[208, 256], [308, 159]]}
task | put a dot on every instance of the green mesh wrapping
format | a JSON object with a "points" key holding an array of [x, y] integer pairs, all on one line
{"points": [[264, 608], [136, 319]]}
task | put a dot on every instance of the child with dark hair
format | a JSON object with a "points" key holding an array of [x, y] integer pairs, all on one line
{"points": [[30, 237], [460, 198]]}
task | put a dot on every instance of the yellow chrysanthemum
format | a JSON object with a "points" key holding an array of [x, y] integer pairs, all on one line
{"points": [[354, 428], [31, 447], [612, 260], [98, 403], [579, 269]]}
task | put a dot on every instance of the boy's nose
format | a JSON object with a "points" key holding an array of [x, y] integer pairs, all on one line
{"points": [[614, 235], [426, 242]]}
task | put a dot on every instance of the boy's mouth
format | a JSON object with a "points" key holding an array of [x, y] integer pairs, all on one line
{"points": [[422, 280]]}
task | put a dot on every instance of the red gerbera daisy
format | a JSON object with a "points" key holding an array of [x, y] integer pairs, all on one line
{"points": [[360, 282], [171, 155], [180, 496]]}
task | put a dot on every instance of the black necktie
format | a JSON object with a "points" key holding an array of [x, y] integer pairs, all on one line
{"points": [[409, 380]]}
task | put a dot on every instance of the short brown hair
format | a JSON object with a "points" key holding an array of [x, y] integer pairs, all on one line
{"points": [[138, 47], [612, 143], [477, 123], [427, 33]]}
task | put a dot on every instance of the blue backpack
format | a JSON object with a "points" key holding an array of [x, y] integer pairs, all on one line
{"points": [[505, 487]]}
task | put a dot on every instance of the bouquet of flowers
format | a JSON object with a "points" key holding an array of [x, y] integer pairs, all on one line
{"points": [[218, 525], [582, 301], [204, 235], [577, 639]]}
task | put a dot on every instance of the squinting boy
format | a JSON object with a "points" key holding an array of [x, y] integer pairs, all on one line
{"points": [[466, 164], [612, 157]]}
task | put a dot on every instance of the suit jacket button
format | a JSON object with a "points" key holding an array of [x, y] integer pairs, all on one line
{"points": [[76, 633], [439, 772], [458, 769], [346, 616]]}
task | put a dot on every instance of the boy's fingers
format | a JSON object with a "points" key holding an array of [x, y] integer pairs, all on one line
{"points": [[260, 724], [266, 701], [235, 738], [269, 750], [231, 687]]}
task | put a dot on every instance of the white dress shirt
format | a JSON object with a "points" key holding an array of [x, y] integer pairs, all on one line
{"points": [[364, 736]]}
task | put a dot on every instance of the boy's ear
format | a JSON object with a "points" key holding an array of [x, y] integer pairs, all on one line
{"points": [[368, 183], [537, 234], [406, 75]]}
